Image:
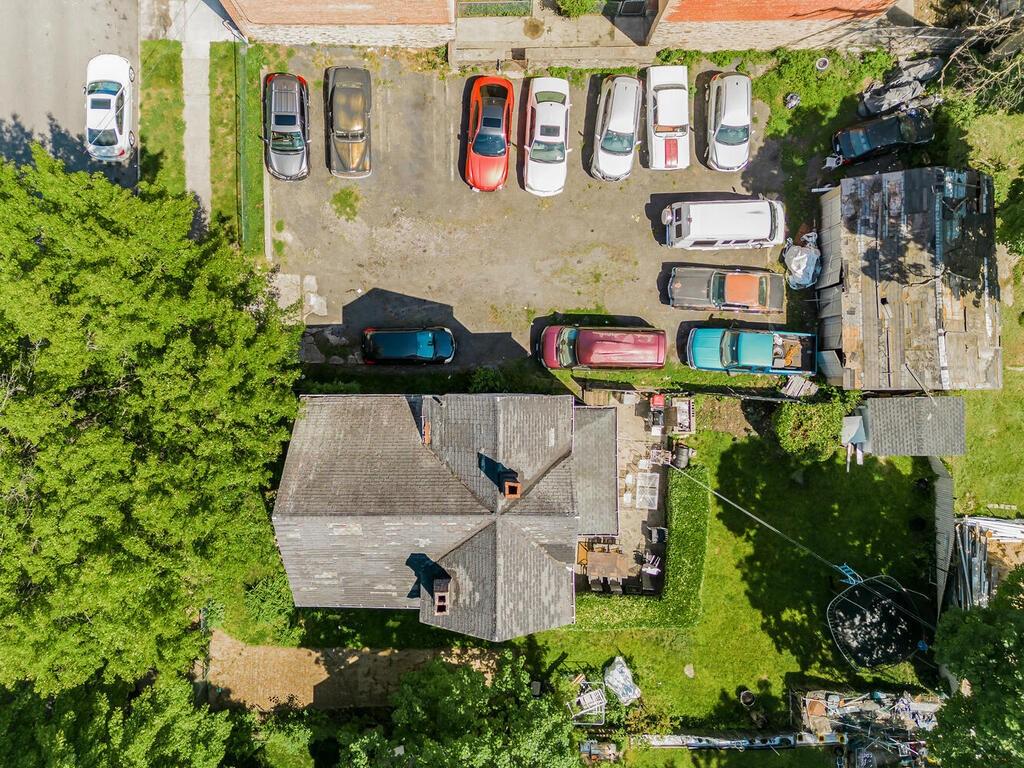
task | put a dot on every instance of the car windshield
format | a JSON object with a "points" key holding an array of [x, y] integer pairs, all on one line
{"points": [[106, 138], [547, 151], [108, 87], [730, 344], [732, 135], [566, 347], [555, 96], [617, 143], [718, 288], [489, 144], [350, 135], [290, 141]]}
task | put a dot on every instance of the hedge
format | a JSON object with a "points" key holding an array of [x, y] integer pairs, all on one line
{"points": [[679, 605]]}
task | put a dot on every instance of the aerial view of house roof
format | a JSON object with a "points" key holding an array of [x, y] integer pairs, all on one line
{"points": [[908, 296], [387, 501]]}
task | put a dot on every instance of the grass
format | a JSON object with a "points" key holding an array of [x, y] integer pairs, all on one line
{"points": [[683, 758], [679, 605], [762, 624], [345, 203], [508, 8], [225, 79], [579, 77], [161, 116]]}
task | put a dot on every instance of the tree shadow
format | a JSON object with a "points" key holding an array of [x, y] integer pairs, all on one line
{"points": [[862, 518], [16, 140]]}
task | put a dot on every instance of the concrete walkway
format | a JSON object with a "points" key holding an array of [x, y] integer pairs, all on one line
{"points": [[196, 23]]}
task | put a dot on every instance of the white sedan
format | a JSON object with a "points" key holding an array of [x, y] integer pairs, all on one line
{"points": [[668, 121], [547, 136], [108, 108]]}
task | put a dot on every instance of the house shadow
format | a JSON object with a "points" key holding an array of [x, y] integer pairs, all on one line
{"points": [[338, 344], [16, 140], [593, 95], [864, 518]]}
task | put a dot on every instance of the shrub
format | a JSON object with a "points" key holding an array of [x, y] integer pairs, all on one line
{"points": [[576, 8], [269, 603], [687, 509], [346, 203], [810, 432]]}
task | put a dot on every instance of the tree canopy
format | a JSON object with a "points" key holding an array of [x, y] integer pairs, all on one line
{"points": [[448, 716], [145, 390], [984, 646]]}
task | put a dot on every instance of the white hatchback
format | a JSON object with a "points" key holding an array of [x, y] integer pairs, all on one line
{"points": [[615, 130], [668, 118], [547, 136], [108, 108], [729, 117]]}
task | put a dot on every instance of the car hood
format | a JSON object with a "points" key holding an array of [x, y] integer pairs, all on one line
{"points": [[486, 173], [690, 286], [670, 152], [704, 348], [548, 346], [350, 157], [107, 66], [288, 164], [731, 156], [611, 166], [545, 177]]}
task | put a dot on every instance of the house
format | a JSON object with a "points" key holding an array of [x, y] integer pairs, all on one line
{"points": [[628, 30], [908, 295], [908, 426], [466, 508]]}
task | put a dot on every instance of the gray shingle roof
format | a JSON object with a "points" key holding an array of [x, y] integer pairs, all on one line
{"points": [[380, 492], [916, 426], [595, 462]]}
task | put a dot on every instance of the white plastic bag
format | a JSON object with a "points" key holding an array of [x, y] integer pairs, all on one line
{"points": [[803, 262], [619, 680]]}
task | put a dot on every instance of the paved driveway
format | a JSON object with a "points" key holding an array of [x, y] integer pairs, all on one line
{"points": [[424, 248], [46, 45]]}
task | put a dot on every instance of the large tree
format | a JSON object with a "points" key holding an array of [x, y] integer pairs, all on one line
{"points": [[985, 647], [449, 716], [103, 726], [145, 389]]}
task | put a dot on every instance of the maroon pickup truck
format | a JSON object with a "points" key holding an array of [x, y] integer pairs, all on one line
{"points": [[566, 346]]}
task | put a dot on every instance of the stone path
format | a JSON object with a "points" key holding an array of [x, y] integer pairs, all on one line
{"points": [[264, 677]]}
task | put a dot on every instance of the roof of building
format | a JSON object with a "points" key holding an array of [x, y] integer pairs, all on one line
{"points": [[339, 12], [778, 10], [908, 295], [382, 494], [916, 426]]}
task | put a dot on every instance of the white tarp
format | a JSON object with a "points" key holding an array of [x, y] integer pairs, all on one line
{"points": [[619, 680], [803, 262]]}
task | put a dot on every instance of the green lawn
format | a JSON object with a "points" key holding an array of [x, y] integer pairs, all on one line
{"points": [[161, 116], [683, 758], [225, 81]]}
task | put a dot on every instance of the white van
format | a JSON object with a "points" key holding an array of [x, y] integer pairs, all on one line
{"points": [[710, 225]]}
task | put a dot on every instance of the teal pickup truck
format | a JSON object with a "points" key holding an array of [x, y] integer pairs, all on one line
{"points": [[784, 353]]}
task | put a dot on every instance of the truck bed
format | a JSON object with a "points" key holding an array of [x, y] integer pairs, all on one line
{"points": [[794, 352]]}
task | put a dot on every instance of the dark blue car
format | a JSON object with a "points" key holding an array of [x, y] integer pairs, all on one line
{"points": [[408, 345]]}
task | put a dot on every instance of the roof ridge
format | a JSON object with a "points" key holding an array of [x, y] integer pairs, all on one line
{"points": [[567, 456]]}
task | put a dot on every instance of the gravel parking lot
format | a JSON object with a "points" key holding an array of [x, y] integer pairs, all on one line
{"points": [[417, 246]]}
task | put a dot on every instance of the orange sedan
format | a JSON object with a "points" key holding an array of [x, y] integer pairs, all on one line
{"points": [[490, 130]]}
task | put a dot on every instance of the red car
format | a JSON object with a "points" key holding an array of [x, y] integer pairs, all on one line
{"points": [[490, 131], [567, 346]]}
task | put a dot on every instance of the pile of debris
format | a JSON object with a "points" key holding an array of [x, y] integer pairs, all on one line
{"points": [[986, 549]]}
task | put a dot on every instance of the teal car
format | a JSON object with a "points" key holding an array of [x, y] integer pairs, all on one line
{"points": [[784, 353], [405, 346]]}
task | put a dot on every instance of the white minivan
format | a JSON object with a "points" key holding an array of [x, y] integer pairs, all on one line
{"points": [[710, 225]]}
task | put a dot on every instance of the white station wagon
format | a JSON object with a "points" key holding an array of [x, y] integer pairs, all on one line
{"points": [[668, 118], [615, 131]]}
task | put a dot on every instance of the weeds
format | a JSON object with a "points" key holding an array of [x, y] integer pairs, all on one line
{"points": [[345, 203]]}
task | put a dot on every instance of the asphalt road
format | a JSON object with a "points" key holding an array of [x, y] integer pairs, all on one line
{"points": [[46, 45]]}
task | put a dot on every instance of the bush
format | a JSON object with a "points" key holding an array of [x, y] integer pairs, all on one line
{"points": [[576, 8], [269, 603], [810, 432], [687, 509]]}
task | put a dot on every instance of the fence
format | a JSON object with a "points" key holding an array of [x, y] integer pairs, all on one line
{"points": [[466, 8]]}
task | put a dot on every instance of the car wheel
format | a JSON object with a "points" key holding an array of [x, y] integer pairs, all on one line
{"points": [[131, 138], [131, 74]]}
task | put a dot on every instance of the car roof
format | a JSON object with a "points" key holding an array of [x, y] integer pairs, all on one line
{"points": [[284, 94], [348, 106], [742, 288], [755, 348], [550, 115], [625, 93], [671, 105], [735, 97], [730, 219], [619, 346]]}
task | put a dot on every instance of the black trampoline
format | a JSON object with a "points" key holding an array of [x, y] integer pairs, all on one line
{"points": [[874, 623]]}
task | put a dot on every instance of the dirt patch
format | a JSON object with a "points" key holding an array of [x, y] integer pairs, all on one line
{"points": [[533, 28], [267, 677], [741, 418]]}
